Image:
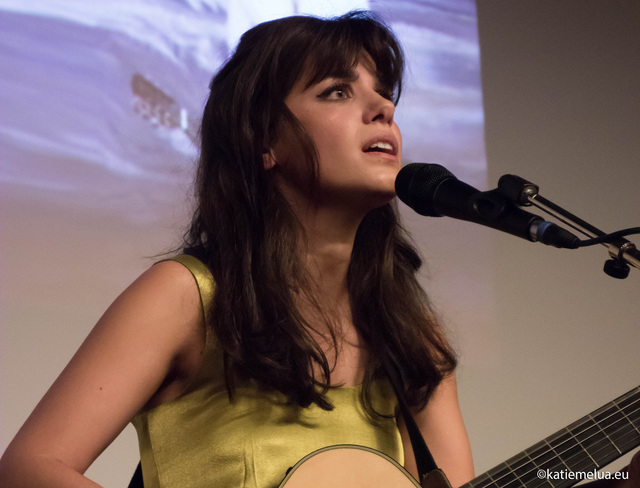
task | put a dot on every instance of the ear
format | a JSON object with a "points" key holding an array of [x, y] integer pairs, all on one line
{"points": [[268, 159]]}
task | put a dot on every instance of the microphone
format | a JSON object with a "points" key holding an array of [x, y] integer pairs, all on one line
{"points": [[433, 191]]}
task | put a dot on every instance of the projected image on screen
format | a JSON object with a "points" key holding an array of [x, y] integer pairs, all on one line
{"points": [[97, 97], [100, 108]]}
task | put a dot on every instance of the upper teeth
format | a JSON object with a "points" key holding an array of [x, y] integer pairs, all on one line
{"points": [[381, 145]]}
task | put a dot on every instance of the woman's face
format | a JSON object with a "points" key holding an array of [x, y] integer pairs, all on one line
{"points": [[359, 145]]}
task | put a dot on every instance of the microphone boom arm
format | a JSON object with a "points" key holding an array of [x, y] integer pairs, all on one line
{"points": [[525, 193]]}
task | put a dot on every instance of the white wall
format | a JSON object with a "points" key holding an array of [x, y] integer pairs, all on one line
{"points": [[562, 109]]}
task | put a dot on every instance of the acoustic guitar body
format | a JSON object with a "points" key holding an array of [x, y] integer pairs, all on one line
{"points": [[348, 466]]}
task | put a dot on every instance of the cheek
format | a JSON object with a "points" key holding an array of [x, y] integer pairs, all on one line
{"points": [[332, 137]]}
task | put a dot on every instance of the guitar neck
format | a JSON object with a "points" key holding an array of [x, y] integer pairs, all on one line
{"points": [[586, 445]]}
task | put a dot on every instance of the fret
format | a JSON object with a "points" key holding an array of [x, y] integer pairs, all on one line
{"points": [[627, 438], [523, 468], [587, 444], [544, 457], [530, 479], [575, 456], [482, 481], [630, 408], [488, 481], [595, 441], [528, 473], [552, 448], [622, 424], [503, 475], [577, 432], [633, 437], [606, 420]]}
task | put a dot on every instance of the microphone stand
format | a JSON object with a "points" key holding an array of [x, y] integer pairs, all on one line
{"points": [[622, 251]]}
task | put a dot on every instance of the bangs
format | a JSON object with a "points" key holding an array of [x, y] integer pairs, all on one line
{"points": [[342, 42]]}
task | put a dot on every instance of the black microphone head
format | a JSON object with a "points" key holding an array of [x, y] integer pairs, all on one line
{"points": [[416, 186]]}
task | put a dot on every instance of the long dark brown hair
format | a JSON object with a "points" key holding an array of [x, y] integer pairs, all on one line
{"points": [[245, 231]]}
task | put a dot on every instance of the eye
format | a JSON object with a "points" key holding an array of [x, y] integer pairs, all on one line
{"points": [[338, 91]]}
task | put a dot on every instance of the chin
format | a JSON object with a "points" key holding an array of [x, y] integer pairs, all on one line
{"points": [[381, 198]]}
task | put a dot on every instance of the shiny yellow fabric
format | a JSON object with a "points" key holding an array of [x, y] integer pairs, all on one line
{"points": [[201, 439]]}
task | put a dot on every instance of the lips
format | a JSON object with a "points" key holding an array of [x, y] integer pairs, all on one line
{"points": [[381, 144]]}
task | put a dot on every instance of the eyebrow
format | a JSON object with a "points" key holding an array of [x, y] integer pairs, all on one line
{"points": [[351, 75]]}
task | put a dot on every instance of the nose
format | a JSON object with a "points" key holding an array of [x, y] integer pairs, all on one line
{"points": [[380, 109]]}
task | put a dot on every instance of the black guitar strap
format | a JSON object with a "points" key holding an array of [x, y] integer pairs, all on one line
{"points": [[136, 480], [427, 468]]}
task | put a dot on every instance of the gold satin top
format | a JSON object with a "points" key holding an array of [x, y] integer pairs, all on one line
{"points": [[201, 439]]}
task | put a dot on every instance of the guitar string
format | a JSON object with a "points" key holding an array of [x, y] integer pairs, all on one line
{"points": [[532, 460], [518, 478], [626, 414]]}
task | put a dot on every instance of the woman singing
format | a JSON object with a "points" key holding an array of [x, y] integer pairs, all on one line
{"points": [[269, 339]]}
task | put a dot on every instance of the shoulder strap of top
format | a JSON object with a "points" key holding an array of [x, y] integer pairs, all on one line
{"points": [[203, 277]]}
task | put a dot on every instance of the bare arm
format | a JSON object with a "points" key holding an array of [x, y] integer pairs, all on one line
{"points": [[129, 360], [442, 427]]}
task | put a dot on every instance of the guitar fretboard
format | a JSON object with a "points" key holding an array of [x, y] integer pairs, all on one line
{"points": [[586, 445]]}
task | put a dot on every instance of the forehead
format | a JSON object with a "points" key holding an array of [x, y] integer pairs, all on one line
{"points": [[312, 74]]}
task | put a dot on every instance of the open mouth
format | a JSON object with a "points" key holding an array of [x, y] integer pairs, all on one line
{"points": [[381, 147]]}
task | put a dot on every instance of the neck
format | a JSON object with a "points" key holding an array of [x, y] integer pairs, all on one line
{"points": [[329, 229], [329, 244]]}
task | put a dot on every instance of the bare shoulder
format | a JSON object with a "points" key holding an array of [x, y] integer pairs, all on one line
{"points": [[165, 288], [161, 315], [172, 319], [140, 353]]}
